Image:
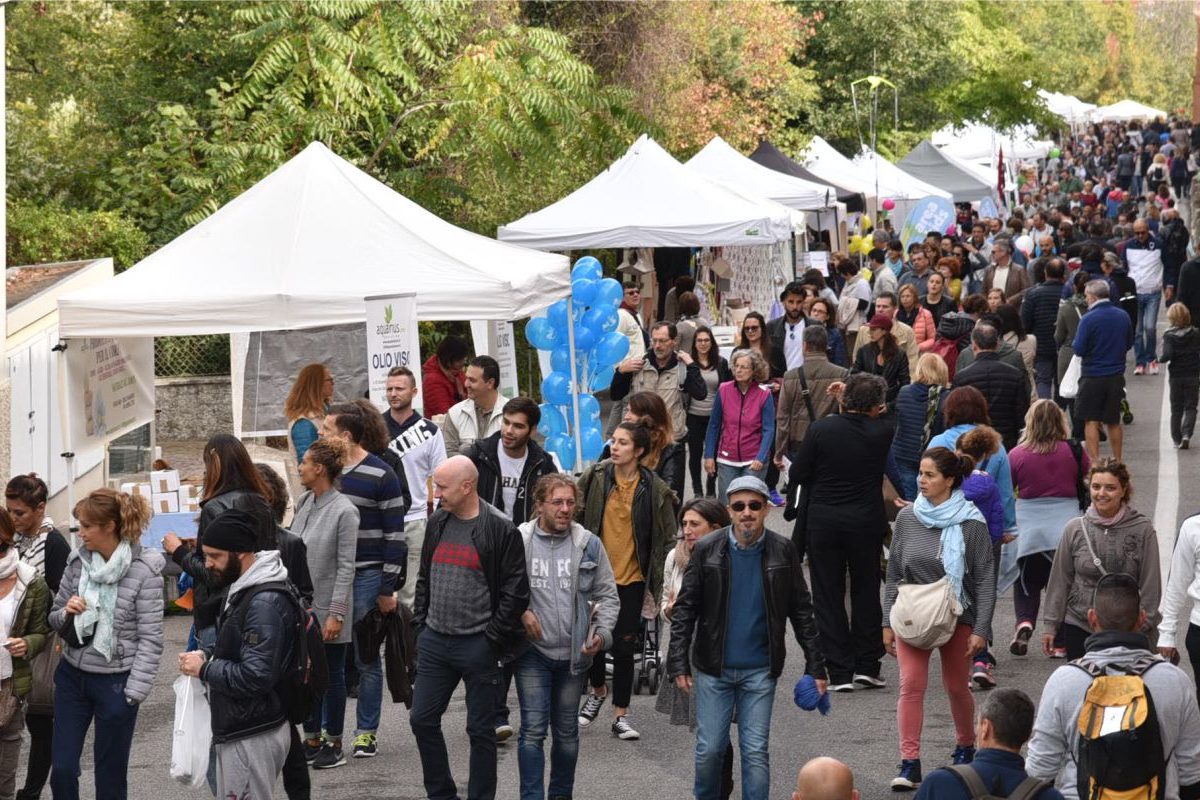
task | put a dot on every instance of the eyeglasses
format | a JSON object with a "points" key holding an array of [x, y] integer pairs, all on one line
{"points": [[753, 505]]}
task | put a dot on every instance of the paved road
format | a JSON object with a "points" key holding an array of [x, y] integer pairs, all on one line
{"points": [[861, 730]]}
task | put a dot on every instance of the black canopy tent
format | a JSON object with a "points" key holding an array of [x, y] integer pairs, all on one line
{"points": [[772, 157]]}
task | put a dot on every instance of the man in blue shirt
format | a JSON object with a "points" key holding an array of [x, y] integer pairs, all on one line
{"points": [[1102, 339], [1005, 724]]}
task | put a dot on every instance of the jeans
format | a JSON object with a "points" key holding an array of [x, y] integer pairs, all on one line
{"points": [[1137, 184], [443, 661], [1185, 393], [697, 426], [330, 714], [414, 538], [370, 680], [752, 693], [80, 697], [1145, 337], [549, 696], [1045, 372], [727, 472]]}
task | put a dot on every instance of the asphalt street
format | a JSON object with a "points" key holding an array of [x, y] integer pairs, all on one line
{"points": [[861, 730]]}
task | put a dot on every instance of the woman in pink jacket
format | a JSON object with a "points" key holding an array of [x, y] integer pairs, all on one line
{"points": [[742, 426], [915, 315]]}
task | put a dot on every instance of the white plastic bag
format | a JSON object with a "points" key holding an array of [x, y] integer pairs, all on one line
{"points": [[192, 733], [1069, 387]]}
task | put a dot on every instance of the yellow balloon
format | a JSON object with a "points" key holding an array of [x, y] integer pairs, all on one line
{"points": [[867, 224], [865, 246], [855, 241]]}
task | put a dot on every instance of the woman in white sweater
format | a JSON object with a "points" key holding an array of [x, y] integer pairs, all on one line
{"points": [[1182, 593]]}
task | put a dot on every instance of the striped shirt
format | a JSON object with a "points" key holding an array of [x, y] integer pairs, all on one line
{"points": [[913, 558], [375, 491]]}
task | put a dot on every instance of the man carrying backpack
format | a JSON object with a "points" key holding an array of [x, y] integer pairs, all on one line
{"points": [[1137, 711], [1004, 725], [250, 669]]}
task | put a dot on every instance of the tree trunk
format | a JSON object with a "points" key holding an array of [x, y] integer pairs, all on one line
{"points": [[1196, 74]]}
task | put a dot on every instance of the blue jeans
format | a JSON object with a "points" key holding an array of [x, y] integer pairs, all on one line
{"points": [[370, 673], [1046, 374], [549, 696], [726, 474], [1144, 338], [80, 697], [330, 715], [443, 661], [752, 692]]}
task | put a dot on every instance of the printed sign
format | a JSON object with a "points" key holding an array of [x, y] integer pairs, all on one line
{"points": [[930, 214], [497, 339], [987, 208], [392, 341], [112, 388]]}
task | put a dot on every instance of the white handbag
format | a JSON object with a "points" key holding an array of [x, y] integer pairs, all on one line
{"points": [[1069, 387], [924, 615]]}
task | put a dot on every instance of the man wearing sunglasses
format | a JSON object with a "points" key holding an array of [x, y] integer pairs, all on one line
{"points": [[740, 646]]}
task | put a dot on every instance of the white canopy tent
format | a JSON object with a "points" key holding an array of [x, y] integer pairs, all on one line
{"points": [[1069, 107], [977, 143], [648, 199], [1125, 111], [828, 164], [904, 189], [301, 249]]}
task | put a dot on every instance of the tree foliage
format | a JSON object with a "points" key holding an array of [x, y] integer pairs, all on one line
{"points": [[46, 233]]}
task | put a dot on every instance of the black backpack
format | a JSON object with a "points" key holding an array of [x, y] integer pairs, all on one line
{"points": [[1082, 494], [309, 671]]}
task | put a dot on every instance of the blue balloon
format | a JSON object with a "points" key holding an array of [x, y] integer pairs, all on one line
{"points": [[610, 349], [556, 388], [592, 443], [609, 293], [601, 379], [563, 446], [552, 422], [540, 333], [557, 314], [602, 319], [560, 358], [583, 292], [589, 406], [587, 267], [585, 337]]}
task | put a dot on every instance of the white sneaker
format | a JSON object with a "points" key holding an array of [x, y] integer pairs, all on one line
{"points": [[623, 730], [841, 687], [869, 682], [503, 733]]}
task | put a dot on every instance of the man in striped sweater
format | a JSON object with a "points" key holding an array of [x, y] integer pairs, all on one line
{"points": [[381, 556]]}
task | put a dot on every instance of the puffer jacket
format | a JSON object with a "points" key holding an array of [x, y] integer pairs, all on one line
{"points": [[1006, 389], [33, 605], [1039, 313], [137, 623], [698, 622], [912, 405]]}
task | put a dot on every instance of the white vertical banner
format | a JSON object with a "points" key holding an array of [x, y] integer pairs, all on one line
{"points": [[497, 339], [392, 341], [112, 390]]}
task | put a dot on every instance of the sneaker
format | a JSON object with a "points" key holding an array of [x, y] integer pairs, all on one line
{"points": [[311, 748], [1020, 642], [869, 682], [848, 686], [504, 732], [591, 707], [331, 756], [776, 498], [981, 676], [365, 746], [1139, 370], [1058, 652], [909, 777], [1153, 368], [1184, 442], [623, 730], [963, 754]]}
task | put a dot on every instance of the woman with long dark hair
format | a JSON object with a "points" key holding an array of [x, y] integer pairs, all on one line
{"points": [[882, 356], [822, 312], [665, 457], [630, 508], [715, 371]]}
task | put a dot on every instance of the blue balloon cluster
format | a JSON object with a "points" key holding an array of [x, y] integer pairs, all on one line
{"points": [[598, 350]]}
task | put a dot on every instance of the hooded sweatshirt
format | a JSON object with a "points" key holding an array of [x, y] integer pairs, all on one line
{"points": [[1181, 348], [267, 568], [1130, 546], [1056, 729], [1183, 586]]}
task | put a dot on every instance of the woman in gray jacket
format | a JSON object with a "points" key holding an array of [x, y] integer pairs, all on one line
{"points": [[328, 523], [108, 613]]}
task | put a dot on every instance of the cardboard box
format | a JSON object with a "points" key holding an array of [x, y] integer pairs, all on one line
{"points": [[137, 488], [189, 498], [165, 502], [164, 481]]}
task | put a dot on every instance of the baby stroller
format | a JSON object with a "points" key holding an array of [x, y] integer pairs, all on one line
{"points": [[648, 673]]}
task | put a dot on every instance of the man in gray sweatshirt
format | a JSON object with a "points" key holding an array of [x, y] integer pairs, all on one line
{"points": [[1114, 646], [573, 606]]}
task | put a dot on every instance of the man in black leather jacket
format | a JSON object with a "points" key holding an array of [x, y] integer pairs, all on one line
{"points": [[732, 653], [248, 671], [472, 589]]}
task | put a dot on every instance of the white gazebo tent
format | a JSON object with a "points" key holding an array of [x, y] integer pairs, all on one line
{"points": [[1069, 107], [822, 160], [981, 144], [648, 199], [904, 189], [1126, 111]]}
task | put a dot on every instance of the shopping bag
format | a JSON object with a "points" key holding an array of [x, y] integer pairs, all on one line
{"points": [[1069, 387], [192, 733]]}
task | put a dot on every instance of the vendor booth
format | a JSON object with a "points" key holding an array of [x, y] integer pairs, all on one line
{"points": [[964, 183], [1127, 111], [1073, 110], [905, 190]]}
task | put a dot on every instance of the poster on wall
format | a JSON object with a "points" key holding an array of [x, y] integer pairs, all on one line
{"points": [[496, 339], [392, 341], [111, 388]]}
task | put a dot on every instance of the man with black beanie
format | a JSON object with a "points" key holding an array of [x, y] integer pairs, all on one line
{"points": [[247, 671]]}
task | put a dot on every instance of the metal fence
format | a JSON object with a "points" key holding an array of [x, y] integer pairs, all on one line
{"points": [[177, 356]]}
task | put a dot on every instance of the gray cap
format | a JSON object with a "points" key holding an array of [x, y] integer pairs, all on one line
{"points": [[747, 483]]}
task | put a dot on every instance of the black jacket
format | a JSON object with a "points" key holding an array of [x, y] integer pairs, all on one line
{"points": [[1039, 313], [698, 622], [486, 455], [1188, 288], [395, 634], [294, 554], [776, 330], [912, 408], [894, 371], [1006, 389], [209, 600], [248, 673], [502, 556], [1181, 348]]}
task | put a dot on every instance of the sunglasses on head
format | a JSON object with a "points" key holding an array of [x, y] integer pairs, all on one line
{"points": [[753, 505]]}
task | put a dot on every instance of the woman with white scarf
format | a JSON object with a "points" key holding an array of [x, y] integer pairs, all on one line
{"points": [[941, 535], [108, 612]]}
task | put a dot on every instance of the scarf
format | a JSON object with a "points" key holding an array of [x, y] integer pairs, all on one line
{"points": [[1106, 522], [8, 563], [98, 582], [949, 517], [32, 549], [896, 266]]}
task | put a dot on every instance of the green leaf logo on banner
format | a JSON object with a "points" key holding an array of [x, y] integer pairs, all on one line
{"points": [[387, 314]]}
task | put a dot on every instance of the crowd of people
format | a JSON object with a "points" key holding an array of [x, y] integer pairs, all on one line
{"points": [[932, 419]]}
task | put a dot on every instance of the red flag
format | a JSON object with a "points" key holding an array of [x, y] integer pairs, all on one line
{"points": [[1000, 177]]}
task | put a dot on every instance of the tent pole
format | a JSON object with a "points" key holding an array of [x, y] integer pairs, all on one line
{"points": [[578, 465], [64, 421]]}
